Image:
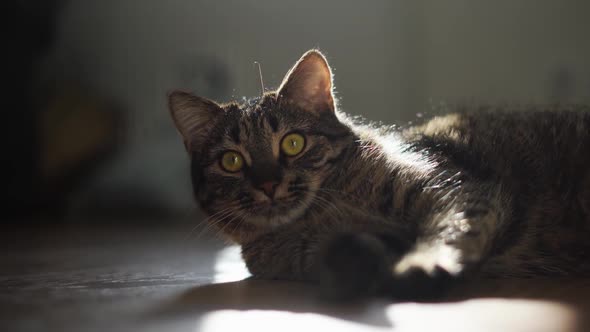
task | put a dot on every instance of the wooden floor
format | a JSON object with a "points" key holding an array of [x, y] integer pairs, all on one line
{"points": [[162, 279]]}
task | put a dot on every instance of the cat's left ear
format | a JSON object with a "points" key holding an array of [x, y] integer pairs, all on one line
{"points": [[309, 84]]}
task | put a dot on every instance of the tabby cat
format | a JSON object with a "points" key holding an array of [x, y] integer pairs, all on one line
{"points": [[311, 194]]}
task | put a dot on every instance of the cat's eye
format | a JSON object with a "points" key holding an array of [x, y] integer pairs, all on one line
{"points": [[232, 161], [292, 144]]}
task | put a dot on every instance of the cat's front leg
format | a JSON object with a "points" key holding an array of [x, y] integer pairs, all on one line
{"points": [[287, 254], [347, 259], [358, 264], [451, 243]]}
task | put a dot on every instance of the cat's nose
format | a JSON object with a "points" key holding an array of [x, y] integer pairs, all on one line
{"points": [[269, 188]]}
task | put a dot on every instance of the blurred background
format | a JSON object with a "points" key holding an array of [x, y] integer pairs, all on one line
{"points": [[86, 124]]}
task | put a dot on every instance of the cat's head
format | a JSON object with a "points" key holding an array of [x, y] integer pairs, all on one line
{"points": [[261, 164]]}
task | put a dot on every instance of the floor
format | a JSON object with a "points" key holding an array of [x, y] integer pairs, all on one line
{"points": [[169, 279]]}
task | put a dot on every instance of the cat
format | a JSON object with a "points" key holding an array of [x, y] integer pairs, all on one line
{"points": [[312, 194]]}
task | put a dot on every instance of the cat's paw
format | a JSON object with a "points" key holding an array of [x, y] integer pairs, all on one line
{"points": [[425, 274], [417, 284], [352, 266]]}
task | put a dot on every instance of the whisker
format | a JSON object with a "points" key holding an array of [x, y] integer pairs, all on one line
{"points": [[219, 219], [218, 233], [239, 223], [330, 206], [209, 221]]}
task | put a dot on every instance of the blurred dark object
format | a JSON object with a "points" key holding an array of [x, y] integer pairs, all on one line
{"points": [[52, 140], [78, 133]]}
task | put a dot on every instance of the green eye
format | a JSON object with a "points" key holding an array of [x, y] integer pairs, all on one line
{"points": [[232, 161], [292, 144]]}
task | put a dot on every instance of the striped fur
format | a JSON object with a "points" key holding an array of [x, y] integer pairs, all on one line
{"points": [[498, 192]]}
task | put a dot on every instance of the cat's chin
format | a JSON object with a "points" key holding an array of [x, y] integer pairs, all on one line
{"points": [[274, 217], [277, 214]]}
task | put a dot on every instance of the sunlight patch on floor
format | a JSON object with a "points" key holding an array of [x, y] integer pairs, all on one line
{"points": [[489, 314], [229, 265], [473, 315], [273, 321]]}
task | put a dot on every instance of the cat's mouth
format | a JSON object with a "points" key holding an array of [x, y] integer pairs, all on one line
{"points": [[278, 211], [275, 206], [257, 212]]}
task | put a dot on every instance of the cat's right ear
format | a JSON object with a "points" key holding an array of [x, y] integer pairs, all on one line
{"points": [[194, 117]]}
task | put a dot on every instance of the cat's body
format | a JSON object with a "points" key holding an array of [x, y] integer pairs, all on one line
{"points": [[365, 209]]}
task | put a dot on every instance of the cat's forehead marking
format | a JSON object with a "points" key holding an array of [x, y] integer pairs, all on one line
{"points": [[257, 127], [245, 130], [260, 119], [260, 140]]}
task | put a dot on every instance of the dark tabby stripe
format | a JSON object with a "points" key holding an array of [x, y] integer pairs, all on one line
{"points": [[273, 122], [235, 133], [387, 197]]}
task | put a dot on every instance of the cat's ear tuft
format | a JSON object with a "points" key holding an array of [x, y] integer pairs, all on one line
{"points": [[309, 84], [194, 117]]}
